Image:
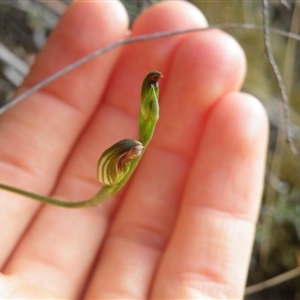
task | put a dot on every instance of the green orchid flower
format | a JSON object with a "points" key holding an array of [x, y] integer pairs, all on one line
{"points": [[118, 162]]}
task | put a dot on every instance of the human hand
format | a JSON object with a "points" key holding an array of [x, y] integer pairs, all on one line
{"points": [[183, 226]]}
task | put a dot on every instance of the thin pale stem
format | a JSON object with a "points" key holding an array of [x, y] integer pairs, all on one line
{"points": [[268, 48], [272, 281], [130, 40]]}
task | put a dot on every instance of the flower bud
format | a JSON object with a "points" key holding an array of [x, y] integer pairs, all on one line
{"points": [[149, 106], [114, 162]]}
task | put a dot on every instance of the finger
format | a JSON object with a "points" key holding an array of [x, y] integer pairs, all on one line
{"points": [[79, 27], [144, 222], [209, 250]]}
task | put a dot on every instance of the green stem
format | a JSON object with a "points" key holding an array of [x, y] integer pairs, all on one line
{"points": [[100, 197], [45, 199]]}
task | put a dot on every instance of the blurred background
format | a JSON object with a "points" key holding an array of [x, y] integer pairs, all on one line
{"points": [[25, 26]]}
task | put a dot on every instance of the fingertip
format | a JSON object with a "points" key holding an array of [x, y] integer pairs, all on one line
{"points": [[85, 27], [230, 159], [245, 121], [79, 8], [252, 116], [215, 64], [204, 67], [169, 14]]}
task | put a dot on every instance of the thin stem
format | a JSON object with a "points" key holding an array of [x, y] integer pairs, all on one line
{"points": [[44, 199], [131, 40], [268, 48], [272, 282]]}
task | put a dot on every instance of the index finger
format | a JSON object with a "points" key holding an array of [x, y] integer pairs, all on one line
{"points": [[38, 134]]}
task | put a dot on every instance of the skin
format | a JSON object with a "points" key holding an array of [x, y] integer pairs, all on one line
{"points": [[183, 226]]}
